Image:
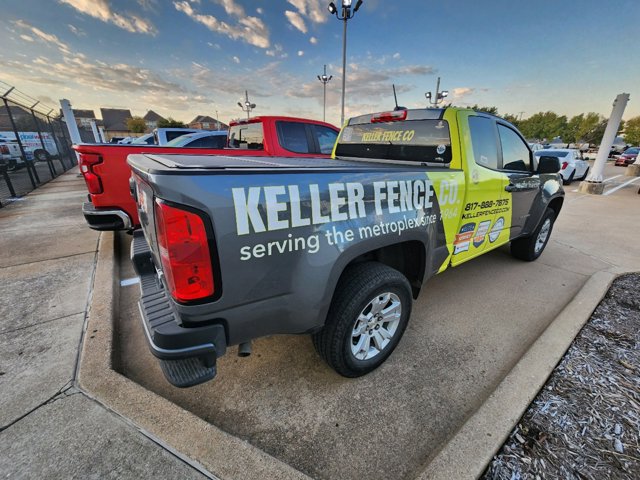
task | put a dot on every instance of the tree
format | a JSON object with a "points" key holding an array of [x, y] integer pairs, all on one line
{"points": [[512, 119], [170, 122], [544, 125], [632, 131], [491, 110], [136, 125]]}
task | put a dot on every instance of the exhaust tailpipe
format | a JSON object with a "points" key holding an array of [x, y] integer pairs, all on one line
{"points": [[244, 349]]}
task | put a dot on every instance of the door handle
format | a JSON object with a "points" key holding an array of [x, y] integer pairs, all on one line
{"points": [[519, 188]]}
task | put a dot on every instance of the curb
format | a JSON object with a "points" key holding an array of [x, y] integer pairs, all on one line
{"points": [[212, 451], [470, 449]]}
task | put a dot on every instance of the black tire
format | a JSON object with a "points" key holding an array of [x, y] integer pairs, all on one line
{"points": [[40, 155], [525, 248], [570, 179], [359, 285], [586, 172]]}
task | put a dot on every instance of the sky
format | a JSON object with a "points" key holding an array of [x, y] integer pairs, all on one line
{"points": [[183, 58]]}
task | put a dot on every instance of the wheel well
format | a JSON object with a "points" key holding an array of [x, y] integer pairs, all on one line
{"points": [[556, 205], [409, 258]]}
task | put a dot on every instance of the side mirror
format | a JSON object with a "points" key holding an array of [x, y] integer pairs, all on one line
{"points": [[547, 164]]}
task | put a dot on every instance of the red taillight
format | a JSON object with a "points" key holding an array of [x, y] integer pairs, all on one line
{"points": [[4, 149], [395, 116], [564, 165], [87, 162], [184, 252]]}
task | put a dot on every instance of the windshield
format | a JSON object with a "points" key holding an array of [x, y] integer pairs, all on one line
{"points": [[179, 141], [411, 140], [551, 153], [145, 139]]}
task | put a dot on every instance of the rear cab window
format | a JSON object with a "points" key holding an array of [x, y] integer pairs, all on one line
{"points": [[421, 137], [248, 136], [293, 137]]}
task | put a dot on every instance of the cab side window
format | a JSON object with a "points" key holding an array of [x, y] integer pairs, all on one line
{"points": [[515, 153], [483, 139]]}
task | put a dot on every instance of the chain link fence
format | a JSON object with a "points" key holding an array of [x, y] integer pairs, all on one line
{"points": [[34, 146]]}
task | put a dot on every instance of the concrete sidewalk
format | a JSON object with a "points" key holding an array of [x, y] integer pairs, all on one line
{"points": [[49, 428]]}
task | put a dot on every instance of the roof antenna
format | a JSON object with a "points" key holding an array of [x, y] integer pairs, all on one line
{"points": [[395, 97]]}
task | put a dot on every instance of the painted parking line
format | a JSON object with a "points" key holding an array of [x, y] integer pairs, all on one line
{"points": [[609, 192], [129, 281], [604, 181]]}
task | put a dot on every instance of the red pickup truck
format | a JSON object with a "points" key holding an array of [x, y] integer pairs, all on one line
{"points": [[106, 172]]}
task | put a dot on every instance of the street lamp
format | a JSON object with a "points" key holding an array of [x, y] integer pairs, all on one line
{"points": [[248, 106], [324, 79], [346, 14], [440, 95]]}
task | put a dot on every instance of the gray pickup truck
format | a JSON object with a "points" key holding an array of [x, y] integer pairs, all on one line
{"points": [[236, 248]]}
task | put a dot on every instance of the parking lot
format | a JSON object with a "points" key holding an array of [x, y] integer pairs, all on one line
{"points": [[464, 336]]}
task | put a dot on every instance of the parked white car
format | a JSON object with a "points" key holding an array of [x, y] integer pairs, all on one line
{"points": [[572, 167]]}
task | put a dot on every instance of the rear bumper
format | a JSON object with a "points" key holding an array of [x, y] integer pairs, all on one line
{"points": [[187, 355], [106, 218]]}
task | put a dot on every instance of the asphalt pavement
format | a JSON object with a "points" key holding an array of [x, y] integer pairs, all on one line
{"points": [[48, 427], [469, 327]]}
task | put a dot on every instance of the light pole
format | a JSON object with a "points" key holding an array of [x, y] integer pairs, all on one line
{"points": [[217, 121], [248, 106], [346, 14], [439, 96], [324, 79]]}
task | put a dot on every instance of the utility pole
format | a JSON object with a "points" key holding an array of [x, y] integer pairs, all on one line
{"points": [[439, 97], [347, 14], [324, 79], [248, 106], [594, 183]]}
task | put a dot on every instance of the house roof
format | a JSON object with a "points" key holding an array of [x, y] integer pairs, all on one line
{"points": [[84, 113], [203, 118], [115, 118], [152, 116]]}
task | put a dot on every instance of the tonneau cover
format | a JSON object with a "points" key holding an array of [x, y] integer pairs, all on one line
{"points": [[218, 162]]}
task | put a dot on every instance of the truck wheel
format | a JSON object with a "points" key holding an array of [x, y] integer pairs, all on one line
{"points": [[530, 248], [368, 315], [41, 155]]}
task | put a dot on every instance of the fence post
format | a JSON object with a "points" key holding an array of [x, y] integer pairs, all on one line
{"points": [[52, 169], [55, 140], [22, 151], [8, 181]]}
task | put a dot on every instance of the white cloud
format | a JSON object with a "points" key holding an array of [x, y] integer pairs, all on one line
{"points": [[300, 53], [314, 10], [249, 29], [236, 59], [259, 11], [44, 37], [313, 40], [101, 9], [76, 31], [296, 20], [396, 55], [27, 38]]}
